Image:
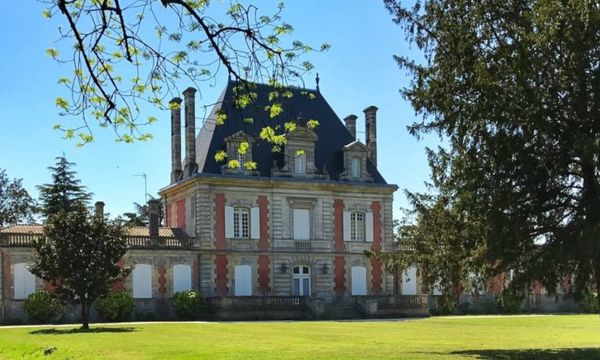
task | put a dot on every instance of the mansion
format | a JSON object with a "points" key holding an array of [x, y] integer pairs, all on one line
{"points": [[282, 238]]}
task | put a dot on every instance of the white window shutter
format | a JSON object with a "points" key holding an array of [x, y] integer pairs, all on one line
{"points": [[347, 224], [229, 222], [369, 227], [142, 281], [182, 277], [23, 281], [301, 222], [255, 223]]}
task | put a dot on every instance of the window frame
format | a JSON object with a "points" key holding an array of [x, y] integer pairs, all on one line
{"points": [[239, 232], [355, 167], [300, 165], [358, 226]]}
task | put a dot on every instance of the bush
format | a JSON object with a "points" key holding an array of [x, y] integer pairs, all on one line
{"points": [[510, 302], [589, 303], [188, 305], [115, 306], [42, 307]]}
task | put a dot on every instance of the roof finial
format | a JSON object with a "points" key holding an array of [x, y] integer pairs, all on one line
{"points": [[318, 82]]}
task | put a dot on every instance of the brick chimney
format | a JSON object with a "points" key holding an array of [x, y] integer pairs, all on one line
{"points": [[176, 172], [191, 166], [99, 209], [153, 215], [350, 121], [371, 133]]}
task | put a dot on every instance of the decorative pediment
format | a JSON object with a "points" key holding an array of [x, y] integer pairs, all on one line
{"points": [[302, 133], [238, 137], [355, 146]]}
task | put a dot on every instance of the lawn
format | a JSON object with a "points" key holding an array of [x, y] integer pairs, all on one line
{"points": [[510, 337]]}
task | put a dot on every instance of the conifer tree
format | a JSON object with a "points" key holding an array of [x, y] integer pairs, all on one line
{"points": [[65, 193]]}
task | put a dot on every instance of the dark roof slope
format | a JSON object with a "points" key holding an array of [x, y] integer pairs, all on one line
{"points": [[304, 104]]}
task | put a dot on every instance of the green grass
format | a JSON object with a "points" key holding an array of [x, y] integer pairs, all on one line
{"points": [[510, 337]]}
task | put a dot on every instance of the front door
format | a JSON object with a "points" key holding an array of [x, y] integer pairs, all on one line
{"points": [[301, 281]]}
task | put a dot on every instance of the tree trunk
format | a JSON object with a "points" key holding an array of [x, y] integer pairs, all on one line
{"points": [[84, 315]]}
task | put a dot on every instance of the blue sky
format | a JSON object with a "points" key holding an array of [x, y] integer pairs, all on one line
{"points": [[357, 72]]}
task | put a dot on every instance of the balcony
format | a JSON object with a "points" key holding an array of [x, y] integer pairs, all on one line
{"points": [[26, 240]]}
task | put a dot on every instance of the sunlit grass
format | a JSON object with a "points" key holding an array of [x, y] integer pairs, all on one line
{"points": [[511, 337]]}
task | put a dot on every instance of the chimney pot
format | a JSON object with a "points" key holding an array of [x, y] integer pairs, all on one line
{"points": [[99, 209], [190, 132], [176, 172], [153, 215], [371, 133], [350, 121]]}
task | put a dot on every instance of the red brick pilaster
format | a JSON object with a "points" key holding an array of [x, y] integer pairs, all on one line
{"points": [[181, 214], [338, 225], [339, 269], [220, 221], [263, 241], [537, 287], [263, 274], [376, 208], [376, 276], [162, 279], [221, 263]]}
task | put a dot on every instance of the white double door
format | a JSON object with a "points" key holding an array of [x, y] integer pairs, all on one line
{"points": [[301, 281]]}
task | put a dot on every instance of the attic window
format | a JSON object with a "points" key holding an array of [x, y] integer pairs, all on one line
{"points": [[242, 160], [355, 167], [300, 163]]}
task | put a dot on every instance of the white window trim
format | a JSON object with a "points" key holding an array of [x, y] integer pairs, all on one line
{"points": [[241, 226]]}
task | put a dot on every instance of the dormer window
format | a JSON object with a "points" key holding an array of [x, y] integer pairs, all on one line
{"points": [[355, 162], [300, 163], [239, 154], [355, 167]]}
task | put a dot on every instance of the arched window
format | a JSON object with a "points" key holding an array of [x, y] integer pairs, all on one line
{"points": [[301, 280], [357, 226]]}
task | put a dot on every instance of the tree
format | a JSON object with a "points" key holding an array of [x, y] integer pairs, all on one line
{"points": [[79, 256], [65, 193], [127, 52], [512, 88], [15, 203]]}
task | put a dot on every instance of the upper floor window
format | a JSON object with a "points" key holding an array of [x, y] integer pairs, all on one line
{"points": [[357, 226], [241, 220], [355, 167], [300, 163]]}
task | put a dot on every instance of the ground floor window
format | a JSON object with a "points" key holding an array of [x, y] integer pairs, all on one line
{"points": [[23, 281], [142, 281], [182, 277], [243, 280], [301, 281], [359, 280]]}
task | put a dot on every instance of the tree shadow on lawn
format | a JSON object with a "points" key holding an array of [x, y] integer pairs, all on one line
{"points": [[55, 331], [528, 354]]}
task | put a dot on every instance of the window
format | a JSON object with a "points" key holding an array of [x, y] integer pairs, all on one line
{"points": [[242, 160], [357, 226], [182, 277], [23, 281], [243, 280], [241, 228], [142, 281], [301, 223], [301, 281], [355, 167], [300, 163]]}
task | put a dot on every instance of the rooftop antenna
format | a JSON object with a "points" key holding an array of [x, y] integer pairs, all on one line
{"points": [[318, 83]]}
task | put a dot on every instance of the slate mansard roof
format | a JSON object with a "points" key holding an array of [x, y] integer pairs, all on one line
{"points": [[304, 104]]}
